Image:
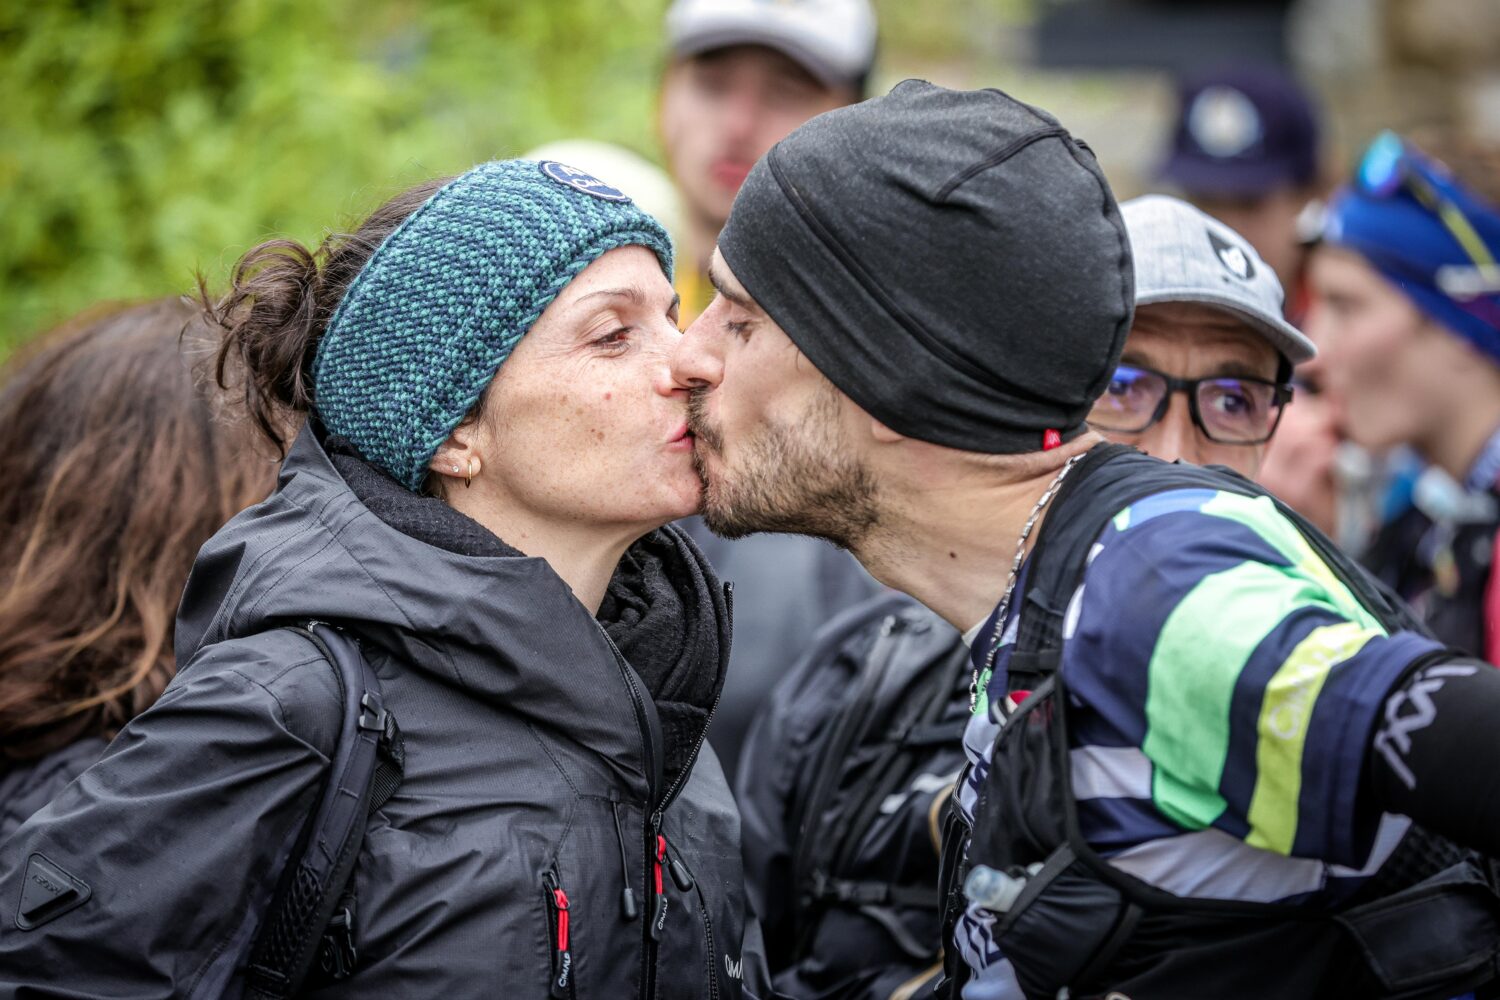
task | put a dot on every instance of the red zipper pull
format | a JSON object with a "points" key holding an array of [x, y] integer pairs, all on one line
{"points": [[561, 987], [562, 918], [659, 916]]}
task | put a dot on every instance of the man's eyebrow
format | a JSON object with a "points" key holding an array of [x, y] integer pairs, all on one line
{"points": [[1238, 369], [733, 295], [1228, 368]]}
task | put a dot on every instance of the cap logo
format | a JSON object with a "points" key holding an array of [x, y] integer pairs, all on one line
{"points": [[1235, 260], [578, 180], [1223, 121]]}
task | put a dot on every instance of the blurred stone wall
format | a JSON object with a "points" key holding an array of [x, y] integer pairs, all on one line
{"points": [[1427, 68]]}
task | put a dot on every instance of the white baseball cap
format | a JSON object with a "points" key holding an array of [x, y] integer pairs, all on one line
{"points": [[1184, 255], [834, 40]]}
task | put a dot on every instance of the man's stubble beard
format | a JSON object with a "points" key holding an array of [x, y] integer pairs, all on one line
{"points": [[801, 478]]}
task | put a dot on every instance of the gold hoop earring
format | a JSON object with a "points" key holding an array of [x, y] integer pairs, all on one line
{"points": [[469, 476]]}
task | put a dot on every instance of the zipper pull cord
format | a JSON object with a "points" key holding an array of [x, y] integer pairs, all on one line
{"points": [[659, 917], [627, 895], [681, 877], [562, 918], [561, 986]]}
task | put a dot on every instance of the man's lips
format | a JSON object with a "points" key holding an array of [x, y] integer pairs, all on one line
{"points": [[730, 173]]}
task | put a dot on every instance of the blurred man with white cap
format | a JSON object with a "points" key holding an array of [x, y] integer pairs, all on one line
{"points": [[843, 866], [741, 76]]}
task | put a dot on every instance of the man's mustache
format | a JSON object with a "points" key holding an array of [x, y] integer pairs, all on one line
{"points": [[698, 423]]}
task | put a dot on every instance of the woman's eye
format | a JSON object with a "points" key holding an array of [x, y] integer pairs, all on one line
{"points": [[615, 339], [739, 328]]}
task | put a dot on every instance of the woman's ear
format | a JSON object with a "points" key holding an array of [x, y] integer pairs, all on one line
{"points": [[458, 457]]}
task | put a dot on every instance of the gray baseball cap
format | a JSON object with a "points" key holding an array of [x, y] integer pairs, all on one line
{"points": [[1183, 255], [834, 40]]}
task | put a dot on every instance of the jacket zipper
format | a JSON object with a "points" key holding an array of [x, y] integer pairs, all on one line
{"points": [[655, 842], [561, 985], [683, 879], [648, 749]]}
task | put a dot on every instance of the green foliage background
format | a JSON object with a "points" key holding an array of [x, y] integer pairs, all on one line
{"points": [[142, 141]]}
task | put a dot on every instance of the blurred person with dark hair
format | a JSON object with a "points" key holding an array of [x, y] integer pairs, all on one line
{"points": [[848, 770], [1406, 306], [480, 495], [742, 74], [120, 458]]}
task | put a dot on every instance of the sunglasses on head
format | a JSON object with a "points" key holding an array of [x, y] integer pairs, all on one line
{"points": [[1390, 166]]}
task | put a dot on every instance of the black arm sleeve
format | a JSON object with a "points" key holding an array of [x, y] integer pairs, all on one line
{"points": [[1436, 755]]}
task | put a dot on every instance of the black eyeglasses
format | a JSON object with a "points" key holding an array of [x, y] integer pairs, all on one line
{"points": [[1230, 410]]}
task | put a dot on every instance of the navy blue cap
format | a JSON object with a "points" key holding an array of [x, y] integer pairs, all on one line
{"points": [[1242, 133]]}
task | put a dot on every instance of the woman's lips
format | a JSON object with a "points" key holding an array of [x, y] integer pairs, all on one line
{"points": [[682, 440]]}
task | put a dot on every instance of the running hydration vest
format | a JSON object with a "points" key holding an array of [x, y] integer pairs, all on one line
{"points": [[1427, 924]]}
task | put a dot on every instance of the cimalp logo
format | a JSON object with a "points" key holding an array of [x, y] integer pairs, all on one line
{"points": [[1235, 260], [580, 180], [733, 968]]}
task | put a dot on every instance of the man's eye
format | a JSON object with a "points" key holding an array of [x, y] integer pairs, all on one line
{"points": [[739, 328]]}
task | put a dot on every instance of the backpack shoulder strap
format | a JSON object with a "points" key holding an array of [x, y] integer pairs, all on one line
{"points": [[310, 918]]}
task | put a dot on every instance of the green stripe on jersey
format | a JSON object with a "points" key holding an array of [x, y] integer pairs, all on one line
{"points": [[1259, 514], [1282, 730], [1202, 648]]}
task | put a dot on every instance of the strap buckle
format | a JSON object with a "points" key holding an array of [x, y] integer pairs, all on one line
{"points": [[336, 951], [372, 718]]}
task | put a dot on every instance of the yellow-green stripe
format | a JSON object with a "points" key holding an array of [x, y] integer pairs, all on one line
{"points": [[1282, 730]]}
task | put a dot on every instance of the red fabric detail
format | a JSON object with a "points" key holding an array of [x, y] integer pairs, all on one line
{"points": [[661, 855], [1051, 439], [562, 919], [1019, 696]]}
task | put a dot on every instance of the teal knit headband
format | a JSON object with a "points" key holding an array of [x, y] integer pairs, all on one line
{"points": [[444, 300]]}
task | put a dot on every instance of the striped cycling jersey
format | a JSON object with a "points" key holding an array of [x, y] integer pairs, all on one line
{"points": [[1223, 690]]}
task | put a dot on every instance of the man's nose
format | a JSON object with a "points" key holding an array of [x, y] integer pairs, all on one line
{"points": [[1175, 436], [696, 361]]}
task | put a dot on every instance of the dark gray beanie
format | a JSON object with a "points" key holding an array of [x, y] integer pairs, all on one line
{"points": [[952, 260]]}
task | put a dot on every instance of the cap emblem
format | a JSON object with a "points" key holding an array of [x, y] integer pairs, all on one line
{"points": [[1224, 122], [578, 180], [1235, 260]]}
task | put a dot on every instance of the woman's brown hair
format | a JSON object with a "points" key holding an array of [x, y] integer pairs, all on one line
{"points": [[281, 297], [119, 459]]}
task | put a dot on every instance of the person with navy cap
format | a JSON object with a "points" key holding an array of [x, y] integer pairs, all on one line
{"points": [[1406, 307], [1245, 150]]}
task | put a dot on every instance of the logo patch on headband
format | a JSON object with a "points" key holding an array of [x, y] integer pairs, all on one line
{"points": [[578, 180], [1234, 258]]}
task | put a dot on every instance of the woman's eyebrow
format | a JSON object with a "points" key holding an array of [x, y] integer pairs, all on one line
{"points": [[623, 292]]}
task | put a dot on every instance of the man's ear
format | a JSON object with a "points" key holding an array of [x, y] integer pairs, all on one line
{"points": [[880, 432]]}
